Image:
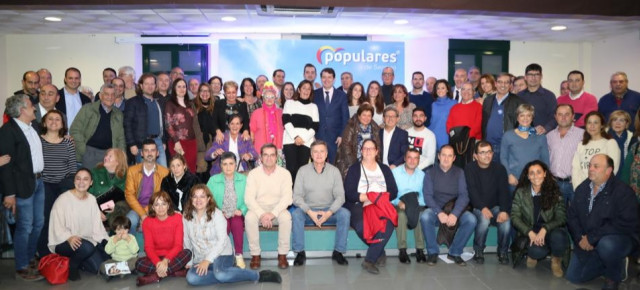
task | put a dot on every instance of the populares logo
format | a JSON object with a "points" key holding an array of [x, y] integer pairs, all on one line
{"points": [[327, 54]]}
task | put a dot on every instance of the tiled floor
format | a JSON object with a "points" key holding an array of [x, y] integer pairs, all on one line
{"points": [[322, 274]]}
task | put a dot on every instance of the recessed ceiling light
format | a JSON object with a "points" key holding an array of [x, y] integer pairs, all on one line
{"points": [[558, 28], [401, 21], [228, 19], [53, 19]]}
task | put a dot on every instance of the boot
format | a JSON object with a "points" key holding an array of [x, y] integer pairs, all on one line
{"points": [[147, 279], [556, 267]]}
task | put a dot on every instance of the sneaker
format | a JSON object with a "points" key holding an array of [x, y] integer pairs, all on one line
{"points": [[503, 259], [339, 258], [432, 259], [531, 263], [300, 259], [269, 276], [382, 261], [370, 267], [240, 262], [610, 285], [478, 257], [420, 257], [457, 259], [404, 258]]}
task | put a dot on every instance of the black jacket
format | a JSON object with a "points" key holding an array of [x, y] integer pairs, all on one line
{"points": [[185, 184], [352, 197], [61, 105], [510, 116], [16, 177], [615, 211], [135, 121], [219, 112]]}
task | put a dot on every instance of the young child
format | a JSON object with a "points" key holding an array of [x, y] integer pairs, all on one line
{"points": [[122, 246]]}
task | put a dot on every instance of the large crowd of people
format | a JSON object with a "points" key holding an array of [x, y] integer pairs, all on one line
{"points": [[183, 165]]}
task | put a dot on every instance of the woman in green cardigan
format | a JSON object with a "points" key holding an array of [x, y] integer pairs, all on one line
{"points": [[108, 183], [228, 191], [538, 214]]}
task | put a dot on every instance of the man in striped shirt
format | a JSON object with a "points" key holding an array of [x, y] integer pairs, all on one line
{"points": [[563, 142]]}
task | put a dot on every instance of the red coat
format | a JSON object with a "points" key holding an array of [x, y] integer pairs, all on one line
{"points": [[374, 216]]}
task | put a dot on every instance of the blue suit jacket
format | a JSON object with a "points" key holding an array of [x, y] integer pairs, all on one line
{"points": [[333, 119], [397, 147]]}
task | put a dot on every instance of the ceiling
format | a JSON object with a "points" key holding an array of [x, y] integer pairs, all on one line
{"points": [[206, 19]]}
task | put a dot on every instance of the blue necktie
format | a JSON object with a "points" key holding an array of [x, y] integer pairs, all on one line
{"points": [[326, 99]]}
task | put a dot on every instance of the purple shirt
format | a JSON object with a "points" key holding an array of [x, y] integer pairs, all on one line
{"points": [[146, 190]]}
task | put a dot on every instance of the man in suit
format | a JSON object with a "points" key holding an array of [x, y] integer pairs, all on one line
{"points": [[346, 79], [48, 98], [333, 111], [71, 99], [388, 76], [459, 78], [499, 113], [21, 186], [394, 141]]}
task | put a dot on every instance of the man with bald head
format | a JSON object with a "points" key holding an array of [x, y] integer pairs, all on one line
{"points": [[431, 81], [388, 76], [45, 76], [194, 84], [47, 99], [459, 78], [603, 222], [30, 86]]}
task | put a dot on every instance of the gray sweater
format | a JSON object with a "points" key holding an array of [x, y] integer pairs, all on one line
{"points": [[447, 186], [323, 190]]}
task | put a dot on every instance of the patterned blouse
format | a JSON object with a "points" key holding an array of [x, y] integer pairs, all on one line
{"points": [[179, 122]]}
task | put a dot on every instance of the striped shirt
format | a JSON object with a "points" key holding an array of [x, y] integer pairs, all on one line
{"points": [[562, 149], [59, 160], [300, 118]]}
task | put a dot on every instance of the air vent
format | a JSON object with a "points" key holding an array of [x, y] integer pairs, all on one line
{"points": [[281, 10]]}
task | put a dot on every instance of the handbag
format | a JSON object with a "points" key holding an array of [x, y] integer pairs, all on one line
{"points": [[54, 268]]}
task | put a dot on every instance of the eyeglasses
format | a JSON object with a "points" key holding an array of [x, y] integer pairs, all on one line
{"points": [[482, 153], [368, 148]]}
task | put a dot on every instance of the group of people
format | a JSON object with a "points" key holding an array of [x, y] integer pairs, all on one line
{"points": [[315, 155]]}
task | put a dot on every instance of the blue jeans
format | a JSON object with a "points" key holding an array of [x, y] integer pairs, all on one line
{"points": [[567, 191], [135, 222], [29, 223], [556, 242], [482, 228], [162, 155], [430, 222], [222, 270], [340, 219], [606, 259]]}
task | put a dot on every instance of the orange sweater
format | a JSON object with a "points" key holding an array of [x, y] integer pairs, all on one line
{"points": [[134, 182]]}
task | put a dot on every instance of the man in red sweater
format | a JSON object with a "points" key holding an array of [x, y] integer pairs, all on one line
{"points": [[581, 101]]}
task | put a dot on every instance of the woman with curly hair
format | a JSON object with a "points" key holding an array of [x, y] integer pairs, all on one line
{"points": [[538, 214]]}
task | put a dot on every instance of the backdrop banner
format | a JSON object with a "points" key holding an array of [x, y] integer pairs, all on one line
{"points": [[364, 59]]}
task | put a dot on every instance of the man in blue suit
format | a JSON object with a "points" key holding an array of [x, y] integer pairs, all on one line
{"points": [[333, 111], [394, 141]]}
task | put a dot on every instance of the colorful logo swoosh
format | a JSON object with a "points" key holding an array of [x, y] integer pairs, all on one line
{"points": [[323, 48]]}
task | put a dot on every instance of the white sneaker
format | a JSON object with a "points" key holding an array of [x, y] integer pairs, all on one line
{"points": [[240, 262]]}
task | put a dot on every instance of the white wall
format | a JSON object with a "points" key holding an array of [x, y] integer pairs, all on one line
{"points": [[556, 58], [88, 52], [618, 53]]}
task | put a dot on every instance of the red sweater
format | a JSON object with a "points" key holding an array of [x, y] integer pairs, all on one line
{"points": [[581, 106], [162, 238], [467, 115]]}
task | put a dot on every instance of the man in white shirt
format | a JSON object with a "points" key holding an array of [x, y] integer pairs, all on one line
{"points": [[71, 99], [422, 139]]}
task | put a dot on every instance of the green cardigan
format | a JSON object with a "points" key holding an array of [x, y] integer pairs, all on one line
{"points": [[522, 213], [102, 183], [86, 123], [216, 185]]}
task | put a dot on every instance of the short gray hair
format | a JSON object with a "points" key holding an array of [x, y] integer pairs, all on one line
{"points": [[107, 86], [387, 109], [526, 108], [14, 104], [127, 70]]}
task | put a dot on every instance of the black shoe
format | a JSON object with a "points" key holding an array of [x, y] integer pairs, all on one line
{"points": [[300, 259], [610, 285], [478, 257], [370, 267], [503, 259], [404, 258], [382, 261], [339, 258], [270, 276], [420, 258], [432, 259], [456, 259]]}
